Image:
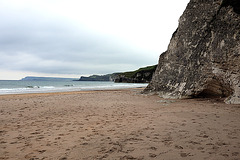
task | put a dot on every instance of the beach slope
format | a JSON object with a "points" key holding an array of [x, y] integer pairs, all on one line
{"points": [[116, 124]]}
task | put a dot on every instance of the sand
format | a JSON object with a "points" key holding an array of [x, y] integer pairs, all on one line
{"points": [[117, 124]]}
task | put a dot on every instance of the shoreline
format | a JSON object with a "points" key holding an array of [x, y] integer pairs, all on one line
{"points": [[62, 86], [66, 92], [116, 124]]}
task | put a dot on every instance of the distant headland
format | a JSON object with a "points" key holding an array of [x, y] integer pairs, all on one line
{"points": [[141, 75], [32, 78]]}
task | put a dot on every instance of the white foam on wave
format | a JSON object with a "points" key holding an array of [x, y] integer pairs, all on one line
{"points": [[65, 88], [114, 86], [27, 89]]}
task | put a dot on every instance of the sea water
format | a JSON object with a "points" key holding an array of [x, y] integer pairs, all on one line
{"points": [[20, 87]]}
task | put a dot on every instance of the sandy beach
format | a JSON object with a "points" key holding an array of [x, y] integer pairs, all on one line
{"points": [[116, 124]]}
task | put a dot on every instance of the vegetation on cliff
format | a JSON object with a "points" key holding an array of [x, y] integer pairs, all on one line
{"points": [[106, 77], [141, 75]]}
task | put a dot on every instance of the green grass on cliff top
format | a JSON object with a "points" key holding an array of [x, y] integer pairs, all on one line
{"points": [[144, 69]]}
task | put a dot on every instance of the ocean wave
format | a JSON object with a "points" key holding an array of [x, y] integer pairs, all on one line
{"points": [[37, 87], [33, 87], [48, 87], [27, 89], [68, 85], [61, 87]]}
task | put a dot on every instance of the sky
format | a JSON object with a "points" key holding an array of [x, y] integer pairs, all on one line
{"points": [[72, 38]]}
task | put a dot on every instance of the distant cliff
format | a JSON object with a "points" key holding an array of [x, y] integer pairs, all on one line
{"points": [[203, 57], [107, 77], [142, 75], [31, 78]]}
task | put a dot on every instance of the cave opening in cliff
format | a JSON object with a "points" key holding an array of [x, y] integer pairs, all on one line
{"points": [[215, 89]]}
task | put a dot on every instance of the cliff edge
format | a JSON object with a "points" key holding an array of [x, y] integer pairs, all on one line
{"points": [[142, 75], [203, 57]]}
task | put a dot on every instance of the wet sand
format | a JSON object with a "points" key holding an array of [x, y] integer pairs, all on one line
{"points": [[117, 124]]}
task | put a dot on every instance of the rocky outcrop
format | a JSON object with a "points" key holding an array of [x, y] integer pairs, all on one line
{"points": [[142, 75], [106, 77], [203, 57]]}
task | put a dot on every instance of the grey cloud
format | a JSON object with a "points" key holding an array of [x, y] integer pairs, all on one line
{"points": [[32, 42]]}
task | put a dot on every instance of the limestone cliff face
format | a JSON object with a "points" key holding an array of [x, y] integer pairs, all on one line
{"points": [[203, 57]]}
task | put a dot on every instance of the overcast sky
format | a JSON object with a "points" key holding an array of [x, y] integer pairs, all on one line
{"points": [[71, 38]]}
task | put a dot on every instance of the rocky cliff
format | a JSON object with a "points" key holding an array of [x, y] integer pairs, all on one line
{"points": [[106, 77], [142, 75], [203, 57]]}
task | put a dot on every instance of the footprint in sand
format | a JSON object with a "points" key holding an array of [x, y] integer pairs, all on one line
{"points": [[235, 153], [152, 155], [153, 148], [178, 147], [184, 154]]}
